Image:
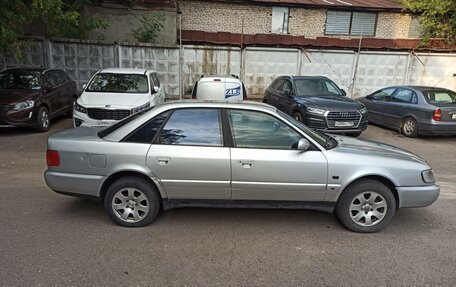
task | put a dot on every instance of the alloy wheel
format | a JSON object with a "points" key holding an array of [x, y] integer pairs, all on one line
{"points": [[130, 205], [368, 208]]}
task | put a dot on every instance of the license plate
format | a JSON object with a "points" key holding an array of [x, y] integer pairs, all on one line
{"points": [[343, 124], [453, 116], [104, 123]]}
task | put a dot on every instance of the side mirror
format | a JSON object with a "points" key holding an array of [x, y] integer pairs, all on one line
{"points": [[303, 145], [344, 93], [84, 87], [155, 90]]}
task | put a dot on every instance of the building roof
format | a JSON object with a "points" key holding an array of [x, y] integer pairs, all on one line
{"points": [[345, 4]]}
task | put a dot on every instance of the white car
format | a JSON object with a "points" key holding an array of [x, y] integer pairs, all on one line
{"points": [[115, 93], [222, 88]]}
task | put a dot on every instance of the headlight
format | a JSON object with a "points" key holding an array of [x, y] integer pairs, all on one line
{"points": [[316, 111], [24, 105], [363, 111], [79, 108], [140, 108], [428, 176]]}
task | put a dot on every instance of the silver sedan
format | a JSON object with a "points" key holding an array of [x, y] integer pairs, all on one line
{"points": [[196, 154]]}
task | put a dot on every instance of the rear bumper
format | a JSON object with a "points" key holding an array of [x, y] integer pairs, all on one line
{"points": [[74, 184], [438, 128], [418, 196]]}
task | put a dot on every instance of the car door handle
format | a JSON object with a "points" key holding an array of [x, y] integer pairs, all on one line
{"points": [[246, 163], [163, 160]]}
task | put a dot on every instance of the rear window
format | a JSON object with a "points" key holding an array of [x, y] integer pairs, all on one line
{"points": [[440, 96]]}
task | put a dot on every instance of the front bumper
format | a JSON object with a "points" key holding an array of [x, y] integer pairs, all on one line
{"points": [[12, 118], [74, 184], [418, 196]]}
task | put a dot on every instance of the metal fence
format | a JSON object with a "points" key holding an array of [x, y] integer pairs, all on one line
{"points": [[178, 69]]}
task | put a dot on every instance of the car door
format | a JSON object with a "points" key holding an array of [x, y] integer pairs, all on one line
{"points": [[400, 104], [286, 97], [161, 93], [375, 104], [188, 156], [273, 92], [51, 93], [265, 164]]}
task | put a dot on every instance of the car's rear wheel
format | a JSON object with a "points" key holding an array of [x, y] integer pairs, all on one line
{"points": [[366, 206], [43, 120], [132, 202], [409, 128], [298, 116]]}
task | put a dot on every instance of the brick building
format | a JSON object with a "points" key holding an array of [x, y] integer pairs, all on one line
{"points": [[299, 22]]}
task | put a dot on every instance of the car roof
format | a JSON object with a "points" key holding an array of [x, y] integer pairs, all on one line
{"points": [[416, 88], [126, 71], [216, 104], [315, 77]]}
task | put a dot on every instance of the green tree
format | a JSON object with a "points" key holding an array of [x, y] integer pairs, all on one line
{"points": [[149, 29], [61, 17], [437, 18]]}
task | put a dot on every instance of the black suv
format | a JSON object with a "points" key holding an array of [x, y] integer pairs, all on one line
{"points": [[317, 102], [31, 97]]}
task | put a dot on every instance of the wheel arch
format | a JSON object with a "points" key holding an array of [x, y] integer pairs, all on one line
{"points": [[120, 174], [382, 179]]}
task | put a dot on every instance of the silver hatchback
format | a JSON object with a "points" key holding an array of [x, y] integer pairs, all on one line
{"points": [[202, 154]]}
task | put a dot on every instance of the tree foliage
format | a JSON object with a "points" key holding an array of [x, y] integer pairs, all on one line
{"points": [[62, 18], [437, 18], [149, 29]]}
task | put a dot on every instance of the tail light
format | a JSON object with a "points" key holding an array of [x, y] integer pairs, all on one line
{"points": [[52, 157], [194, 97], [437, 115], [245, 97]]}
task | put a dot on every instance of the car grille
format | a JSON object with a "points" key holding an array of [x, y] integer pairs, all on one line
{"points": [[5, 108], [334, 117], [105, 114]]}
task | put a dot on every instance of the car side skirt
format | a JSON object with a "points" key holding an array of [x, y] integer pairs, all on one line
{"points": [[258, 204]]}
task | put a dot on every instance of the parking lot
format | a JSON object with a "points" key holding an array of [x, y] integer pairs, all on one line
{"points": [[49, 239]]}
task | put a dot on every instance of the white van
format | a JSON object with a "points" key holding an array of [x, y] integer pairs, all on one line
{"points": [[115, 93], [223, 88]]}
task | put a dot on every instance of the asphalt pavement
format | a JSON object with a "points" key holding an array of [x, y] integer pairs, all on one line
{"points": [[48, 239]]}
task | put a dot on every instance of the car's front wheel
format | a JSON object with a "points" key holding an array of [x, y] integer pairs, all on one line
{"points": [[132, 202], [43, 120], [366, 206]]}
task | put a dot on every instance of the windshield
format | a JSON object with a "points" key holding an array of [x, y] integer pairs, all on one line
{"points": [[316, 87], [20, 80], [118, 83], [321, 138], [440, 96]]}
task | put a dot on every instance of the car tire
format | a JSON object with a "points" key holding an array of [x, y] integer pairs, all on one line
{"points": [[43, 120], [409, 127], [132, 202], [366, 206], [298, 116]]}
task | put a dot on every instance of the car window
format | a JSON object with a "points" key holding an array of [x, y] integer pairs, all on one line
{"points": [[252, 129], [277, 84], [20, 80], [57, 78], [383, 95], [50, 81], [287, 87], [440, 96], [156, 80], [64, 76], [118, 83], [200, 127], [330, 87], [403, 96], [147, 132]]}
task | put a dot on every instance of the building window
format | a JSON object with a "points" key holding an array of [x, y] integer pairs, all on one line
{"points": [[279, 23], [350, 23]]}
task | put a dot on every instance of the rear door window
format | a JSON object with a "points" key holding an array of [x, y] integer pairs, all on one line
{"points": [[403, 96], [199, 127]]}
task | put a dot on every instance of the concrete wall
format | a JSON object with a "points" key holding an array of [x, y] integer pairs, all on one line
{"points": [[310, 23], [122, 21]]}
